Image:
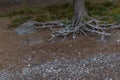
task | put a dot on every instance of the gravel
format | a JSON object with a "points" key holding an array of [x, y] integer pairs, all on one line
{"points": [[97, 67]]}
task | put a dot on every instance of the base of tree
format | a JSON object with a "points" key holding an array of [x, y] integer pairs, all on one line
{"points": [[86, 27]]}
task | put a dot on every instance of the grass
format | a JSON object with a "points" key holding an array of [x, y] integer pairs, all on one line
{"points": [[39, 14], [45, 13], [107, 10]]}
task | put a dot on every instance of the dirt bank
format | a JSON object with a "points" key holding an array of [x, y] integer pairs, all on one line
{"points": [[14, 55]]}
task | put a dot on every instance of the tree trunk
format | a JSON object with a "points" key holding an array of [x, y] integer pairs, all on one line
{"points": [[79, 12]]}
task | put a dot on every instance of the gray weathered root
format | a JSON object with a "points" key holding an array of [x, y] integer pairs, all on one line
{"points": [[50, 24], [91, 26]]}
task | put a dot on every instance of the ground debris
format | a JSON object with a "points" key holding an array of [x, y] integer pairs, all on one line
{"points": [[98, 67]]}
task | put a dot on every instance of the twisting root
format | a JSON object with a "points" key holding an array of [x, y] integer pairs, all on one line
{"points": [[79, 25], [91, 26]]}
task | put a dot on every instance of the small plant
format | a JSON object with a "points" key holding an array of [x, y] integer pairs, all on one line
{"points": [[42, 18], [66, 22], [108, 4], [17, 21], [1, 15], [89, 5]]}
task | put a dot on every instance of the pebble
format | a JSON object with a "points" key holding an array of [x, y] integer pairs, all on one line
{"points": [[97, 65]]}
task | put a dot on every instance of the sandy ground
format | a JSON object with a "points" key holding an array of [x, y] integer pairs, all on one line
{"points": [[18, 52]]}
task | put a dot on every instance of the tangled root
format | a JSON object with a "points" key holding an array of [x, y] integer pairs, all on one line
{"points": [[79, 25], [92, 27]]}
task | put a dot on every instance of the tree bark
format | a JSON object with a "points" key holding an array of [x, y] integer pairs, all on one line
{"points": [[79, 12]]}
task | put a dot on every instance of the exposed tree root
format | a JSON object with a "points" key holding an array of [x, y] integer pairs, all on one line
{"points": [[85, 27], [50, 24], [91, 26]]}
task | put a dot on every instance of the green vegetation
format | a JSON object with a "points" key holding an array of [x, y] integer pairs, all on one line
{"points": [[17, 21], [107, 11], [39, 14], [43, 13]]}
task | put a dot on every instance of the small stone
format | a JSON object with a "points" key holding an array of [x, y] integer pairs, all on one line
{"points": [[79, 53], [111, 79], [87, 71], [29, 65], [30, 58], [118, 40], [69, 79], [25, 28], [34, 52], [70, 45], [76, 50], [108, 78], [59, 70], [54, 53], [55, 60]]}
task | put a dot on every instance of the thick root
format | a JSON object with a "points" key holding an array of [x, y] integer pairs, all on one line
{"points": [[50, 24]]}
